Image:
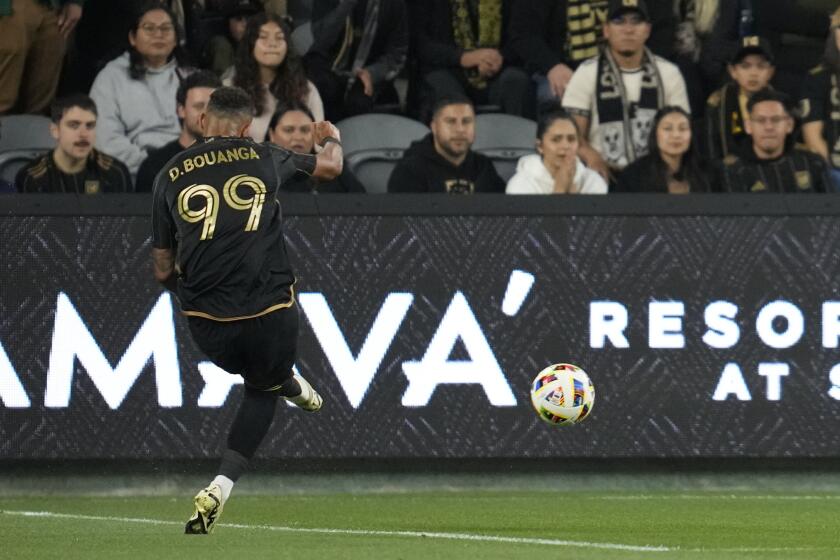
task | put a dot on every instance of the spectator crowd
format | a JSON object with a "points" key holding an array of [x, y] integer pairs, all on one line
{"points": [[670, 96]]}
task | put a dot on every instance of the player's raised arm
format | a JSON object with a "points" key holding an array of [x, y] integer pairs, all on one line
{"points": [[330, 160]]}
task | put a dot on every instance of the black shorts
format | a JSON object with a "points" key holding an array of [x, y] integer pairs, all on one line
{"points": [[262, 350]]}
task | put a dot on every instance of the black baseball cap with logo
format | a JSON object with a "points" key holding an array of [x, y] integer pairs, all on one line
{"points": [[618, 8], [238, 8], [752, 44]]}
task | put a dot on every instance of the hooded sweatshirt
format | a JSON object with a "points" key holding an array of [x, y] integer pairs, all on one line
{"points": [[423, 170], [532, 177], [135, 116]]}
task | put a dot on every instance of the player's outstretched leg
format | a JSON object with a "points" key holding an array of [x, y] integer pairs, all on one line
{"points": [[308, 399], [208, 508]]}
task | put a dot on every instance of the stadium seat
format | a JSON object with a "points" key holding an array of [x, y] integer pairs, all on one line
{"points": [[504, 139], [374, 143], [11, 161], [302, 38], [25, 132]]}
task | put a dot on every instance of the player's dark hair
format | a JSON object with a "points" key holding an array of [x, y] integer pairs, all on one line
{"points": [[289, 84], [552, 111], [231, 103], [198, 79], [137, 67], [63, 104], [284, 108], [453, 99], [768, 94], [691, 169]]}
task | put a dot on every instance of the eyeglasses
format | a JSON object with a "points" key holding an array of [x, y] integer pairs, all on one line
{"points": [[152, 29], [772, 121]]}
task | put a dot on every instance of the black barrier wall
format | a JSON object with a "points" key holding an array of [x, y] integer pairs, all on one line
{"points": [[710, 327]]}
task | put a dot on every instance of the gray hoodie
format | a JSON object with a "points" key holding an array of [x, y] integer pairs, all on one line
{"points": [[135, 116]]}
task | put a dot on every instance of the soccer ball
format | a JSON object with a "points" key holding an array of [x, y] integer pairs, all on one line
{"points": [[562, 394]]}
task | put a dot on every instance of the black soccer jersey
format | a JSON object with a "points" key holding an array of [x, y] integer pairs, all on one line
{"points": [[216, 205]]}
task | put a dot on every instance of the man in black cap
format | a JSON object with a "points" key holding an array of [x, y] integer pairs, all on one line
{"points": [[615, 95], [751, 67], [553, 37]]}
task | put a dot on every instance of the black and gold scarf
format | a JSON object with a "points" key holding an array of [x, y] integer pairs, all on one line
{"points": [[729, 121], [624, 127], [469, 34], [584, 22]]}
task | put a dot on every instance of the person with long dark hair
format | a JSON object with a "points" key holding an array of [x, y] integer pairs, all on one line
{"points": [[135, 92], [556, 168], [672, 164], [270, 69]]}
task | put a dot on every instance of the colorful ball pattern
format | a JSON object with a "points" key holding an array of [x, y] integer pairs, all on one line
{"points": [[562, 394]]}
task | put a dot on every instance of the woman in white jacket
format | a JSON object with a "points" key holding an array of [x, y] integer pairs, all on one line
{"points": [[556, 168]]}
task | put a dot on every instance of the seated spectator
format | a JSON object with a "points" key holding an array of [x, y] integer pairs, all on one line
{"points": [[191, 100], [615, 96], [135, 92], [269, 68], [771, 165], [291, 127], [461, 49], [751, 69], [673, 165], [820, 104], [221, 49], [359, 48], [554, 36], [556, 167], [74, 166], [443, 161]]}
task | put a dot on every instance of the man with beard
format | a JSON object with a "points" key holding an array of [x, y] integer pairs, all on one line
{"points": [[191, 100], [614, 96], [443, 161], [772, 165], [74, 166]]}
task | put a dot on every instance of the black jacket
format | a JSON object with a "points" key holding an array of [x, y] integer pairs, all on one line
{"points": [[538, 32], [102, 174], [423, 170], [433, 42], [796, 171], [642, 176]]}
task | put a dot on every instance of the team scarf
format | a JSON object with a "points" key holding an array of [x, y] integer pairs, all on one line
{"points": [[489, 31], [584, 24], [624, 127], [728, 119]]}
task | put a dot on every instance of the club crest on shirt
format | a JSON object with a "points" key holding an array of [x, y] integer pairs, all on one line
{"points": [[459, 186], [91, 187], [803, 180]]}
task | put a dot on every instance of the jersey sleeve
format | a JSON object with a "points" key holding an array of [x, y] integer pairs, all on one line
{"points": [[163, 227], [287, 163]]}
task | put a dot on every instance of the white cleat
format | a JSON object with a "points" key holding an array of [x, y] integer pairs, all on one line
{"points": [[208, 508], [309, 399]]}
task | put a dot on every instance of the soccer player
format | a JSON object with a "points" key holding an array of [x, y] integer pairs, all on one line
{"points": [[218, 243]]}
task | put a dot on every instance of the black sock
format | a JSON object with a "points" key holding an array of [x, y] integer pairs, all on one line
{"points": [[233, 465], [256, 412]]}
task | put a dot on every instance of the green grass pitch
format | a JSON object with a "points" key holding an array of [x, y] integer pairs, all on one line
{"points": [[546, 522]]}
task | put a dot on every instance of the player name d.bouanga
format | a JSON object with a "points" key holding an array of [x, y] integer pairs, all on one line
{"points": [[213, 157]]}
